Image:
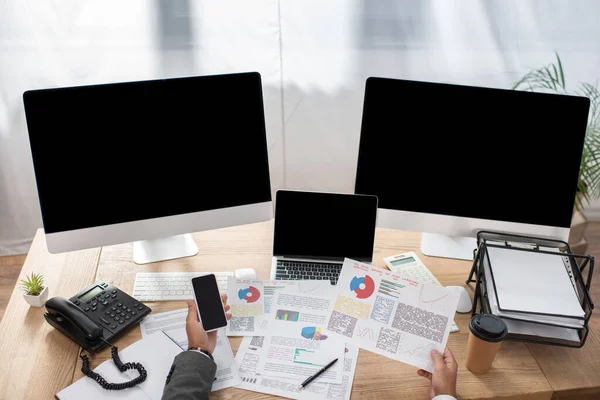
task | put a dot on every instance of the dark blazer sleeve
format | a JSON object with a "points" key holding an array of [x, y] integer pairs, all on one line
{"points": [[190, 378]]}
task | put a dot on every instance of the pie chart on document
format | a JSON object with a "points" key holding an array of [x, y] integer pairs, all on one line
{"points": [[362, 286], [249, 294]]}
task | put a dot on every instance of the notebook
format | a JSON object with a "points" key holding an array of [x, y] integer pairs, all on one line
{"points": [[155, 352]]}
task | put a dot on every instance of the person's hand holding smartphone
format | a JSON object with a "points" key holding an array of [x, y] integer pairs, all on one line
{"points": [[211, 311], [206, 313], [197, 336]]}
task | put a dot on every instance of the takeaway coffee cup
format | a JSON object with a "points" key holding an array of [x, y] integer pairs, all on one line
{"points": [[486, 334]]}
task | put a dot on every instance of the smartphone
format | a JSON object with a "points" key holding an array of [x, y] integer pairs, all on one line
{"points": [[208, 302]]}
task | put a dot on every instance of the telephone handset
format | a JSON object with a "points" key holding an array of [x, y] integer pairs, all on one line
{"points": [[82, 329], [93, 318]]}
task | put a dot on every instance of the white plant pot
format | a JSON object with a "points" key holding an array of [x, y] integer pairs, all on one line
{"points": [[39, 300]]}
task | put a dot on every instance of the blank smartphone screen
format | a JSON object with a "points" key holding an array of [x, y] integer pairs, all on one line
{"points": [[209, 302]]}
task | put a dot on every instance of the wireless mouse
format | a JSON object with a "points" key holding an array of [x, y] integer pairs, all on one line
{"points": [[464, 300]]}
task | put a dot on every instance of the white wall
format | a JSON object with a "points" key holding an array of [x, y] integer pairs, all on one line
{"points": [[314, 57], [592, 211]]}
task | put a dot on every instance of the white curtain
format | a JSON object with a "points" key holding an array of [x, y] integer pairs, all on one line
{"points": [[313, 56]]}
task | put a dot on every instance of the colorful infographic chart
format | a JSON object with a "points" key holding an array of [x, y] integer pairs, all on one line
{"points": [[313, 333], [285, 315], [390, 314], [363, 287], [249, 294], [247, 307], [306, 357]]}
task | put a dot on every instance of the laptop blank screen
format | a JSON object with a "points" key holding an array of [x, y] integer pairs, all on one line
{"points": [[324, 225]]}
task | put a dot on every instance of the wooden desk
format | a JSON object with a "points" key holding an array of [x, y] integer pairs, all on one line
{"points": [[37, 362]]}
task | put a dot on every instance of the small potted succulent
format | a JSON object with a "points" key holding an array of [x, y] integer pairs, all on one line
{"points": [[34, 290]]}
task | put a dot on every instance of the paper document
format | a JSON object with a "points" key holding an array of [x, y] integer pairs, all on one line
{"points": [[417, 274], [533, 282], [155, 352], [252, 350], [298, 345], [391, 315], [322, 288], [269, 288], [246, 298], [173, 324]]}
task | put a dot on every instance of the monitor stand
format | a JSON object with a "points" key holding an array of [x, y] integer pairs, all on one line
{"points": [[178, 246], [448, 246]]}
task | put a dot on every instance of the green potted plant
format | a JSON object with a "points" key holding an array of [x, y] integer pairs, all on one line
{"points": [[551, 79], [34, 290]]}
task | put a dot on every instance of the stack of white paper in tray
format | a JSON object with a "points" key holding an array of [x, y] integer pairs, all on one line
{"points": [[534, 293]]}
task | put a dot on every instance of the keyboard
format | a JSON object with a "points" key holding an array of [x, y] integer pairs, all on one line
{"points": [[166, 286], [296, 270]]}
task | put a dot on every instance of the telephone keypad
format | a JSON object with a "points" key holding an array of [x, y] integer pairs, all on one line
{"points": [[111, 309]]}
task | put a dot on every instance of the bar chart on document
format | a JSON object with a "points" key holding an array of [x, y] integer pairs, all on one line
{"points": [[298, 344], [309, 357], [285, 315]]}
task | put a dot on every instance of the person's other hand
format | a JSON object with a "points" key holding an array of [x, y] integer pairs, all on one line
{"points": [[443, 379], [197, 336]]}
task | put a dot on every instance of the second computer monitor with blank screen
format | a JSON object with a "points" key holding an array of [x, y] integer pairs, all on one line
{"points": [[453, 160]]}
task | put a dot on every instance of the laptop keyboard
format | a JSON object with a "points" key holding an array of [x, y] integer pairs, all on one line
{"points": [[303, 270]]}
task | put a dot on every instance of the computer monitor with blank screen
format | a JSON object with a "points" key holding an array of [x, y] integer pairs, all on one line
{"points": [[452, 160], [149, 161]]}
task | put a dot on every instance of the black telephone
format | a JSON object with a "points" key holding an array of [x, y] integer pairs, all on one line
{"points": [[93, 318]]}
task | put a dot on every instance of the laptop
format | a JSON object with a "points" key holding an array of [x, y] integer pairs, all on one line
{"points": [[315, 231]]}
